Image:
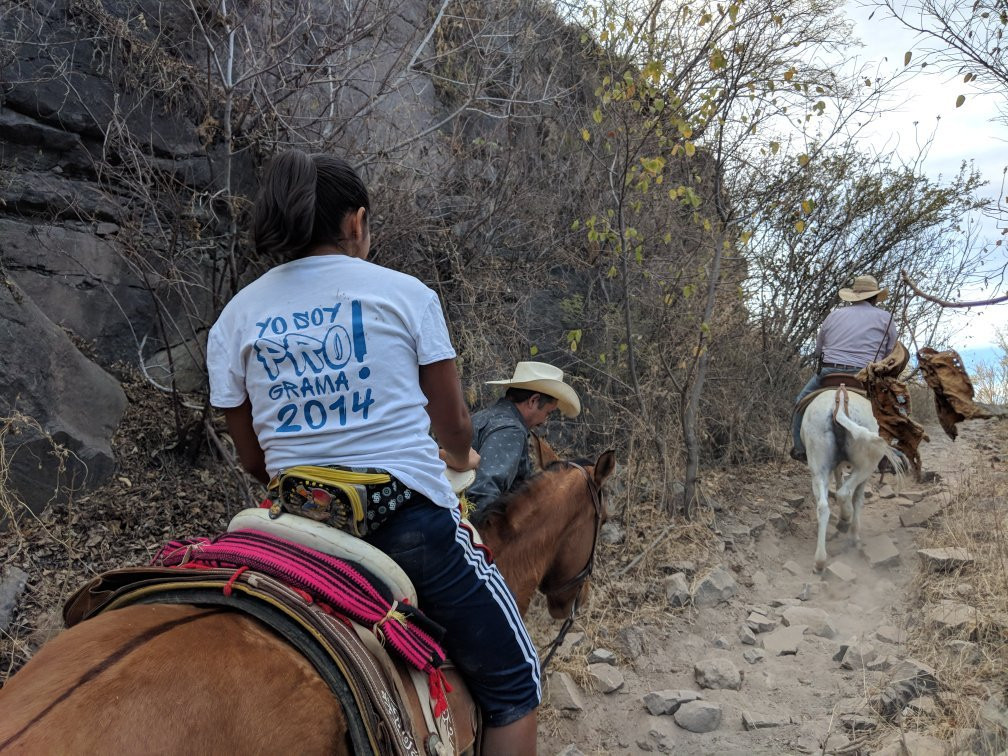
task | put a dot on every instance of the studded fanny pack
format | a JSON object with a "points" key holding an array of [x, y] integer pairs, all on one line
{"points": [[355, 501]]}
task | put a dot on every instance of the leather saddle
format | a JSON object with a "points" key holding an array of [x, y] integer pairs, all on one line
{"points": [[831, 382], [388, 702], [459, 732]]}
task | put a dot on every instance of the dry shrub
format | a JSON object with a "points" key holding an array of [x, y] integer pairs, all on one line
{"points": [[975, 519]]}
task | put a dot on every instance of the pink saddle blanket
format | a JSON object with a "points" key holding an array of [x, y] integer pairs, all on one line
{"points": [[325, 579]]}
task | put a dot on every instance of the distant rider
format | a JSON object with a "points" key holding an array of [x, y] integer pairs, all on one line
{"points": [[851, 336]]}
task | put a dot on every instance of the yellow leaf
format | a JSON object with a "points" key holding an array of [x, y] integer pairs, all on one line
{"points": [[906, 57], [806, 207], [960, 100], [585, 135], [774, 146], [803, 160], [597, 116], [534, 350], [799, 226], [690, 148], [789, 74]]}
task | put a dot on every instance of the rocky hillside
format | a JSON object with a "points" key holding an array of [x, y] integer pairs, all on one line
{"points": [[130, 137]]}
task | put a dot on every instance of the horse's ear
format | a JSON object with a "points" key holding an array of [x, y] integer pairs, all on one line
{"points": [[604, 466], [545, 455]]}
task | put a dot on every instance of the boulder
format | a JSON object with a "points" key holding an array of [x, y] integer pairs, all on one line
{"points": [[951, 616], [920, 514], [760, 623], [747, 636], [717, 673], [12, 584], [699, 716], [841, 572], [858, 654], [668, 701], [183, 366], [784, 641], [945, 559], [82, 284], [67, 399], [880, 551], [817, 621], [602, 656], [677, 589], [564, 694], [715, 588], [605, 677]]}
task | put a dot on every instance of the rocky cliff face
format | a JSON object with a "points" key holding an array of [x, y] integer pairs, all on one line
{"points": [[131, 132], [118, 184]]}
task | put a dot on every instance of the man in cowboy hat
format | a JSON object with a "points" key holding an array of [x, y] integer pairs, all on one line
{"points": [[850, 338], [501, 431]]}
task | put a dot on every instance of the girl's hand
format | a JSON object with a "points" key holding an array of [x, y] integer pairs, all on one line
{"points": [[460, 463]]}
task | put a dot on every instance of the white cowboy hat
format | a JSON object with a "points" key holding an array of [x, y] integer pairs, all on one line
{"points": [[864, 287], [460, 480], [546, 379]]}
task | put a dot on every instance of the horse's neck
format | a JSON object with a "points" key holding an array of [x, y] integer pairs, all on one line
{"points": [[527, 539]]}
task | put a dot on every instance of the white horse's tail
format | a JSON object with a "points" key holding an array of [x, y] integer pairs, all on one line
{"points": [[866, 438]]}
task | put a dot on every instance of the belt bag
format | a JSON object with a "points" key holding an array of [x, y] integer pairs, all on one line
{"points": [[355, 502]]}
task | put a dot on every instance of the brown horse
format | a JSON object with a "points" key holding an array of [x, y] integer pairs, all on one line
{"points": [[162, 678]]}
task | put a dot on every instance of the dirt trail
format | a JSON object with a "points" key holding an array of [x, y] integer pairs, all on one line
{"points": [[798, 698]]}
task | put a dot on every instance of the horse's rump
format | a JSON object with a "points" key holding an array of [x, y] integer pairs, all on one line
{"points": [[382, 699]]}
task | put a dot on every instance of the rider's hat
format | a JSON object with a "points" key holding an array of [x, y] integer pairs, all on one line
{"points": [[864, 287], [546, 379]]}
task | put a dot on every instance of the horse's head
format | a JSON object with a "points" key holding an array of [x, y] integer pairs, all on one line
{"points": [[565, 580]]}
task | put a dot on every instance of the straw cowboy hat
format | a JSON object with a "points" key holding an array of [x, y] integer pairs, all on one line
{"points": [[546, 379], [864, 287]]}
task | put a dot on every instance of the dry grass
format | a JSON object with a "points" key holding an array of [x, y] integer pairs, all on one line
{"points": [[971, 661]]}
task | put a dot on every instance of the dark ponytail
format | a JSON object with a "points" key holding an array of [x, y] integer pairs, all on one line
{"points": [[302, 203]]}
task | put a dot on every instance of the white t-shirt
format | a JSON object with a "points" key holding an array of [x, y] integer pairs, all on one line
{"points": [[328, 348]]}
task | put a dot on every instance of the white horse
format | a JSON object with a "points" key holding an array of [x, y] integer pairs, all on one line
{"points": [[839, 429]]}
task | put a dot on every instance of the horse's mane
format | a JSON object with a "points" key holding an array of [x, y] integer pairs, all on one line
{"points": [[497, 510]]}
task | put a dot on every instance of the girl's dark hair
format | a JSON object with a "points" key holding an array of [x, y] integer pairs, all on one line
{"points": [[302, 203]]}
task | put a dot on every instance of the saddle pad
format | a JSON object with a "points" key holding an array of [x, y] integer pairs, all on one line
{"points": [[807, 400], [324, 578], [834, 380], [321, 537]]}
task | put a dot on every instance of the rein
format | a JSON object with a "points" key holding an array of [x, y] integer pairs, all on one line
{"points": [[581, 577]]}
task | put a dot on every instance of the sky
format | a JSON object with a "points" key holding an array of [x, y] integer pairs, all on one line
{"points": [[965, 133]]}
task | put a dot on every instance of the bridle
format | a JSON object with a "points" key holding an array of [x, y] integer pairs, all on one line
{"points": [[581, 577]]}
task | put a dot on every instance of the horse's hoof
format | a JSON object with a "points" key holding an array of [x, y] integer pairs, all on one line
{"points": [[819, 567], [843, 525]]}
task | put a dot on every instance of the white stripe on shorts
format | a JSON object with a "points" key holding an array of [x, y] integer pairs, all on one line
{"points": [[491, 576]]}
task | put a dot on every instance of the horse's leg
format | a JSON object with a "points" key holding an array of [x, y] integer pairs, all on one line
{"points": [[844, 518], [858, 500], [820, 491]]}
